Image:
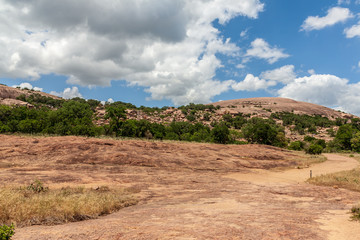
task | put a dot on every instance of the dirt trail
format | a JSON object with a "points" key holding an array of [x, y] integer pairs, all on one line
{"points": [[336, 222], [334, 163]]}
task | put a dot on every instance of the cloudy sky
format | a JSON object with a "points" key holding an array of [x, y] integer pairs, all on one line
{"points": [[172, 52]]}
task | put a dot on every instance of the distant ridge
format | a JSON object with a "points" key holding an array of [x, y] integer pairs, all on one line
{"points": [[264, 106], [8, 95]]}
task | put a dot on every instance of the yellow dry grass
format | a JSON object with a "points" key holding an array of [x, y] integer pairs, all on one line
{"points": [[344, 179], [25, 207]]}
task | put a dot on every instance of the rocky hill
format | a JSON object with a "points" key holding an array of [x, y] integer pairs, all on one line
{"points": [[235, 112], [9, 95], [264, 106]]}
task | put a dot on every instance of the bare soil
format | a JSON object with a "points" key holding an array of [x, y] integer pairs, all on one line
{"points": [[186, 190]]}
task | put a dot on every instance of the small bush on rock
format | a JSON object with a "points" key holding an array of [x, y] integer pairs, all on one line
{"points": [[6, 232]]}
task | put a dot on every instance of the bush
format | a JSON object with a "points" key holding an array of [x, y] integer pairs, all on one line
{"points": [[263, 131], [356, 213], [6, 232], [220, 134], [37, 187], [314, 149], [309, 139], [344, 136], [297, 146]]}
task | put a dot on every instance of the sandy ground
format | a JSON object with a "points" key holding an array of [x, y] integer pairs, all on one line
{"points": [[186, 198]]}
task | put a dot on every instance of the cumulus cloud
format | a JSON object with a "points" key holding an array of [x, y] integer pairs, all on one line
{"points": [[334, 15], [252, 83], [328, 90], [68, 93], [261, 49], [347, 2], [284, 74], [170, 47], [27, 85], [311, 71], [353, 31]]}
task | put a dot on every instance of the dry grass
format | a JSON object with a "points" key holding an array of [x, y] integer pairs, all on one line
{"points": [[345, 179], [304, 160], [25, 207]]}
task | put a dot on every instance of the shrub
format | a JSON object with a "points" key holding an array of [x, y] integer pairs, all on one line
{"points": [[297, 146], [263, 131], [220, 134], [356, 213], [207, 116], [344, 136], [309, 139], [6, 232], [321, 142], [191, 117], [37, 187], [314, 149]]}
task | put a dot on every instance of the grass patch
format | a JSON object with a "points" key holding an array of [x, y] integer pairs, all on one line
{"points": [[345, 179], [356, 212], [35, 204], [304, 160]]}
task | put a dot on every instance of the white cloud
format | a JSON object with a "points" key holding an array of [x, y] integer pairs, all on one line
{"points": [[240, 66], [353, 31], [110, 100], [284, 74], [252, 83], [334, 15], [311, 71], [28, 86], [261, 49], [347, 2], [170, 47], [244, 33], [327, 90], [359, 64], [68, 93]]}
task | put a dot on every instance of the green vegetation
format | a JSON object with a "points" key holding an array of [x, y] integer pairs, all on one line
{"points": [[314, 149], [27, 205], [40, 100], [355, 212], [6, 232], [303, 123], [264, 131], [77, 117]]}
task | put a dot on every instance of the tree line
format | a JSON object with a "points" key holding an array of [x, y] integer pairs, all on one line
{"points": [[76, 117]]}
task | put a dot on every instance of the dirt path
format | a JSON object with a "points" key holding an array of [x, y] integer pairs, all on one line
{"points": [[334, 163], [208, 205]]}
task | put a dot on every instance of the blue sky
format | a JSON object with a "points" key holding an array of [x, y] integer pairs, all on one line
{"points": [[172, 52]]}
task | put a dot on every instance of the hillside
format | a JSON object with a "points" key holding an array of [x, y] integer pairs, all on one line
{"points": [[9, 95], [265, 105], [233, 121]]}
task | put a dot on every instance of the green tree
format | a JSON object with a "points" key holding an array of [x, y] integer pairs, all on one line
{"points": [[220, 134], [262, 131], [344, 136], [116, 114], [314, 149], [355, 142]]}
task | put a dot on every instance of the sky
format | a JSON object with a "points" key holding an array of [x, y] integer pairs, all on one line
{"points": [[173, 52]]}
